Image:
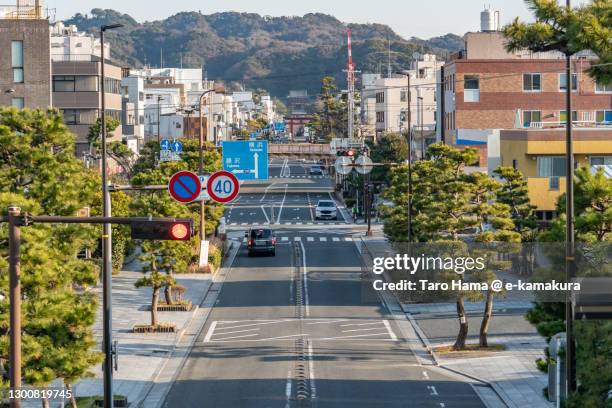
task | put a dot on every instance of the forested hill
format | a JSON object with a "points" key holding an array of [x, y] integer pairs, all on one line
{"points": [[275, 53]]}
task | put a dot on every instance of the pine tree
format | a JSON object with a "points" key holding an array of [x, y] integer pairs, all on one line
{"points": [[557, 28], [40, 174]]}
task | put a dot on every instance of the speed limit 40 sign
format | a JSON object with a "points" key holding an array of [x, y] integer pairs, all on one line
{"points": [[222, 187]]}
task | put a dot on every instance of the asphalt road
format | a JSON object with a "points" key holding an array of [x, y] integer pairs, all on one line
{"points": [[301, 329]]}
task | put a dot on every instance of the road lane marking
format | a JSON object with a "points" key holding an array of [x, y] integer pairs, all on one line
{"points": [[357, 330], [311, 372], [284, 238], [297, 239], [288, 390], [388, 326], [355, 336], [323, 239], [265, 214], [348, 239], [209, 334], [234, 331], [425, 375], [310, 239], [335, 239], [280, 211], [305, 274], [329, 321], [432, 390], [237, 337], [359, 324], [257, 324]]}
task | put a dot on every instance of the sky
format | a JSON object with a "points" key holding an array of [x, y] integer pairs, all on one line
{"points": [[408, 18]]}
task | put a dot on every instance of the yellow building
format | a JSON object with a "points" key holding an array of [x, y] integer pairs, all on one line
{"points": [[540, 155]]}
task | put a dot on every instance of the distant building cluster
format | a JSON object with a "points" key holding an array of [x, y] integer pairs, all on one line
{"points": [[509, 106], [43, 64]]}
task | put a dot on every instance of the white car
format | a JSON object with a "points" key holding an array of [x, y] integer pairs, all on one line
{"points": [[326, 210]]}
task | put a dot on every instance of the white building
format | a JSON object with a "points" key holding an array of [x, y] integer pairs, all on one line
{"points": [[69, 44], [391, 101], [133, 121]]}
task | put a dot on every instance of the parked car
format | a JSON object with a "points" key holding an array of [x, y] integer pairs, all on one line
{"points": [[316, 170], [327, 210], [260, 240]]}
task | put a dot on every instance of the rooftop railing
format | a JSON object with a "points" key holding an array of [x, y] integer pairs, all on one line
{"points": [[29, 12]]}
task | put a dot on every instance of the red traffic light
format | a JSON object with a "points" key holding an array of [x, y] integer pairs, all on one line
{"points": [[179, 231], [163, 230], [350, 153]]}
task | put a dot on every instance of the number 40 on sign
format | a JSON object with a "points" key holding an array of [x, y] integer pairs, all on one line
{"points": [[222, 186]]}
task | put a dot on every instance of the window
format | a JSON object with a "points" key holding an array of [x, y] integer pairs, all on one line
{"points": [[17, 61], [380, 117], [603, 116], [563, 116], [603, 87], [403, 96], [530, 117], [115, 114], [380, 97], [19, 103], [112, 85], [72, 83], [563, 82], [141, 96], [551, 166], [80, 116], [471, 88], [532, 82], [601, 161], [514, 164]]}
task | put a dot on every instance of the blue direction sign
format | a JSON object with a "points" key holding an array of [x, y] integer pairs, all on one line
{"points": [[164, 144], [176, 146], [247, 160]]}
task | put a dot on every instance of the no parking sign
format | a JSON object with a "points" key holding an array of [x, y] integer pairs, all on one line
{"points": [[184, 186]]}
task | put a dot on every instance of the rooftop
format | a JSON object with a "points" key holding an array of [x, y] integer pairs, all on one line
{"points": [[23, 11]]}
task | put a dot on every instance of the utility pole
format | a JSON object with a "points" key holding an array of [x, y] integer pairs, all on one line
{"points": [[107, 267], [159, 99], [350, 79], [570, 353], [409, 129], [15, 306]]}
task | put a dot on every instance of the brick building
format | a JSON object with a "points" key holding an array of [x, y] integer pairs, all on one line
{"points": [[487, 89]]}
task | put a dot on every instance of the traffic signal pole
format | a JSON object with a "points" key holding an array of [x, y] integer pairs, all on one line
{"points": [[16, 219], [15, 300]]}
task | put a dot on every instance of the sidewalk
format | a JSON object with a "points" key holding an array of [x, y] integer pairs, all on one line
{"points": [[142, 356], [512, 373]]}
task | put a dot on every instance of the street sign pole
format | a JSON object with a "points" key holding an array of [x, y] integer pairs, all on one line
{"points": [[15, 306]]}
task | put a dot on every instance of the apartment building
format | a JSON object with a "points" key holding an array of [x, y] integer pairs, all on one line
{"points": [[540, 155], [391, 102], [487, 89], [25, 71], [511, 107], [76, 84]]}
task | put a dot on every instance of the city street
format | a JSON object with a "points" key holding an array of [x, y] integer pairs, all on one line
{"points": [[302, 328]]}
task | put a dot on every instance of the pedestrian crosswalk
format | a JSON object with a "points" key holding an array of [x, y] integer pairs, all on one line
{"points": [[308, 239]]}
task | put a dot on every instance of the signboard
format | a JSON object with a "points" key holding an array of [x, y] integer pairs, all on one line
{"points": [[247, 160], [204, 193], [222, 186], [184, 186], [164, 144], [176, 146]]}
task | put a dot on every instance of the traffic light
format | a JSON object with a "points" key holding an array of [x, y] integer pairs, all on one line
{"points": [[165, 230], [347, 153]]}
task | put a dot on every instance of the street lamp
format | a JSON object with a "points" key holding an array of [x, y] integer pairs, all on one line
{"points": [[218, 89], [107, 268], [409, 137]]}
